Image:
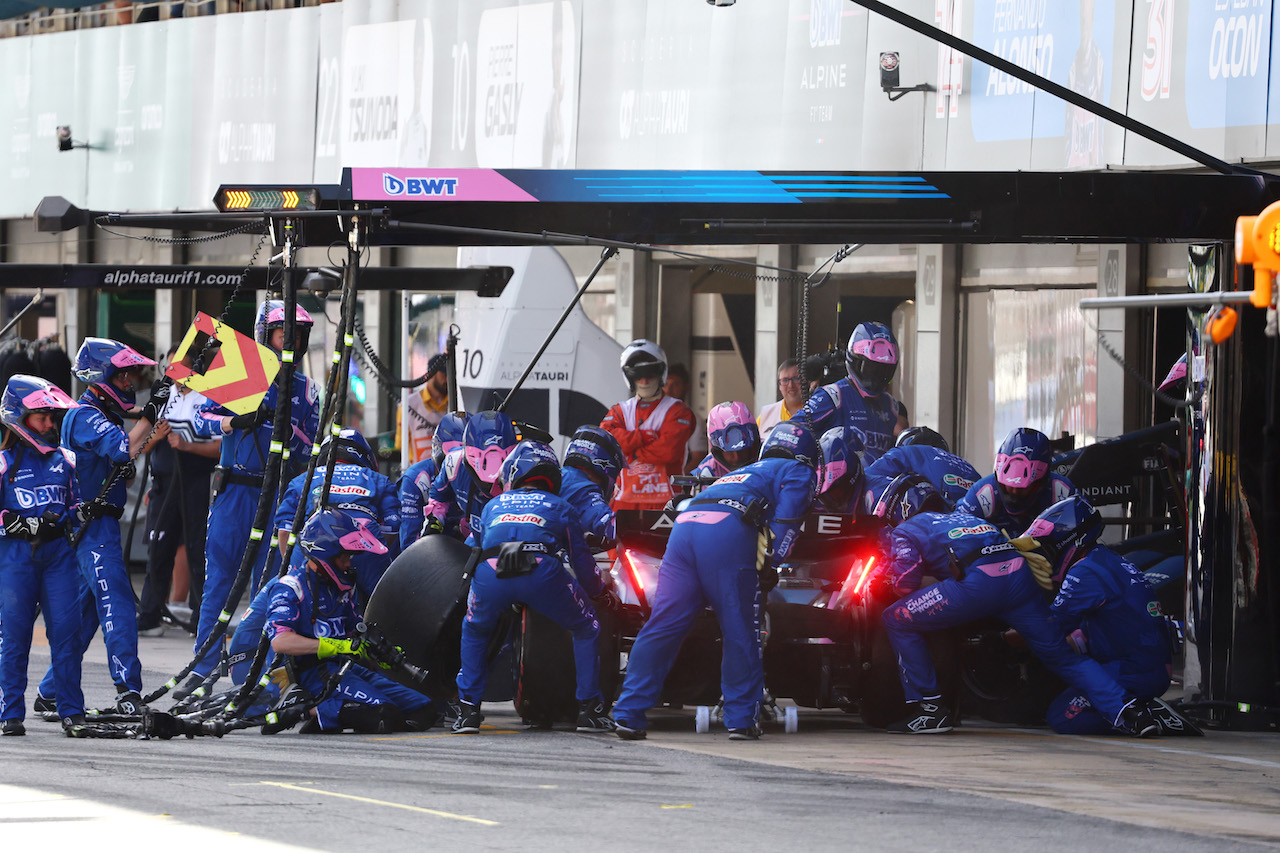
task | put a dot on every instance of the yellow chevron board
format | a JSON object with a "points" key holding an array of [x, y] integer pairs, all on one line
{"points": [[239, 375]]}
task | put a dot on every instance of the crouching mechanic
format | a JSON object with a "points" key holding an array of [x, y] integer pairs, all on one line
{"points": [[592, 462], [37, 566], [983, 575], [717, 555], [313, 619], [1022, 486], [415, 482], [522, 533], [1106, 611], [734, 439], [842, 484], [920, 450]]}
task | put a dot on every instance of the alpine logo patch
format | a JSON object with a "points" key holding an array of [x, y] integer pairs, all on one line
{"points": [[421, 187]]}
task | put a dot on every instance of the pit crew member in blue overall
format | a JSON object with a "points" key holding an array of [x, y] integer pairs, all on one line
{"points": [[239, 477], [313, 618], [1106, 611], [469, 476], [415, 482], [38, 497], [359, 490], [592, 462], [1021, 487], [920, 450], [717, 556], [861, 400], [94, 432], [734, 439], [984, 575], [522, 533], [842, 484]]}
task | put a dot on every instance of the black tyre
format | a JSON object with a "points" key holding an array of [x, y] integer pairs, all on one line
{"points": [[546, 683], [883, 701]]}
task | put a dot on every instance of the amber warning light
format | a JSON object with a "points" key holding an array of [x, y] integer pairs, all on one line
{"points": [[268, 198]]}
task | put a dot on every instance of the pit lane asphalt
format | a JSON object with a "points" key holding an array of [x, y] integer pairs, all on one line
{"points": [[834, 785]]}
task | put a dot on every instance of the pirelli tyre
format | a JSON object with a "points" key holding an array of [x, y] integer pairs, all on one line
{"points": [[545, 689], [882, 700], [419, 605]]}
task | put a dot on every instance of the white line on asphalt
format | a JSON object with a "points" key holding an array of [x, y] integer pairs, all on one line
{"points": [[450, 815]]}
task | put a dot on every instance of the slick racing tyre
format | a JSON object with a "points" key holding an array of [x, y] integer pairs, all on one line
{"points": [[545, 677]]}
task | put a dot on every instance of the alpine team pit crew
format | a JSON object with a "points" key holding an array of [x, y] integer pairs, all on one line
{"points": [[1021, 487], [734, 439], [920, 450], [718, 555], [861, 399], [652, 428], [313, 618], [239, 476], [38, 496], [524, 530], [592, 462], [94, 432], [426, 410], [359, 490], [415, 482], [983, 574], [468, 479], [1106, 611], [843, 479]]}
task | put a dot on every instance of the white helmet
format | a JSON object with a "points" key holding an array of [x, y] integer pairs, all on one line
{"points": [[644, 358]]}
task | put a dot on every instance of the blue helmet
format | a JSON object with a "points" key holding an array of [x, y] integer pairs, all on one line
{"points": [[99, 359], [271, 316], [329, 533], [534, 464], [842, 462], [1066, 531], [488, 438], [597, 452], [792, 440], [872, 358], [353, 448], [25, 395], [1022, 463], [448, 435], [908, 495], [921, 435]]}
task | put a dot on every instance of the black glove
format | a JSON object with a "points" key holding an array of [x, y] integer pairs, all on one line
{"points": [[608, 600], [160, 391], [431, 526], [14, 524], [254, 419], [88, 511], [768, 579]]}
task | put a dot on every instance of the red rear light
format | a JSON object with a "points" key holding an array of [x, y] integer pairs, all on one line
{"points": [[853, 584], [629, 560], [866, 573]]}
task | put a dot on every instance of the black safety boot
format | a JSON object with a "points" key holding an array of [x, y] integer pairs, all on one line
{"points": [[924, 717], [46, 707], [423, 719], [594, 717], [1136, 720], [129, 703], [13, 727], [625, 731], [749, 733], [468, 719], [1171, 723], [74, 726]]}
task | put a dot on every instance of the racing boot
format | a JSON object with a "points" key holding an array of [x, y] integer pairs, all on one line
{"points": [[1136, 720], [468, 719], [424, 719], [129, 703], [594, 717], [12, 728], [924, 717], [46, 707], [626, 732], [749, 733], [1171, 723]]}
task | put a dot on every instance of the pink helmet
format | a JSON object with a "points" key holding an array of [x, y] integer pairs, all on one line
{"points": [[488, 438], [731, 427]]}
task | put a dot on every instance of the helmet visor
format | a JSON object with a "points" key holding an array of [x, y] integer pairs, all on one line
{"points": [[1018, 472], [874, 376], [878, 350], [486, 462]]}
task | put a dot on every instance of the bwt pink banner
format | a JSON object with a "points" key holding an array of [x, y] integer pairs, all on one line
{"points": [[434, 185]]}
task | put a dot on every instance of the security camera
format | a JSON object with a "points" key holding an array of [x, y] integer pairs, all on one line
{"points": [[721, 2], [64, 138]]}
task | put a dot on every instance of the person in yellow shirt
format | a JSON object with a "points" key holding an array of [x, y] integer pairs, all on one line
{"points": [[426, 408], [792, 398]]}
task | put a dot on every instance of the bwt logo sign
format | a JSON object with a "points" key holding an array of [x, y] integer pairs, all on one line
{"points": [[419, 186]]}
